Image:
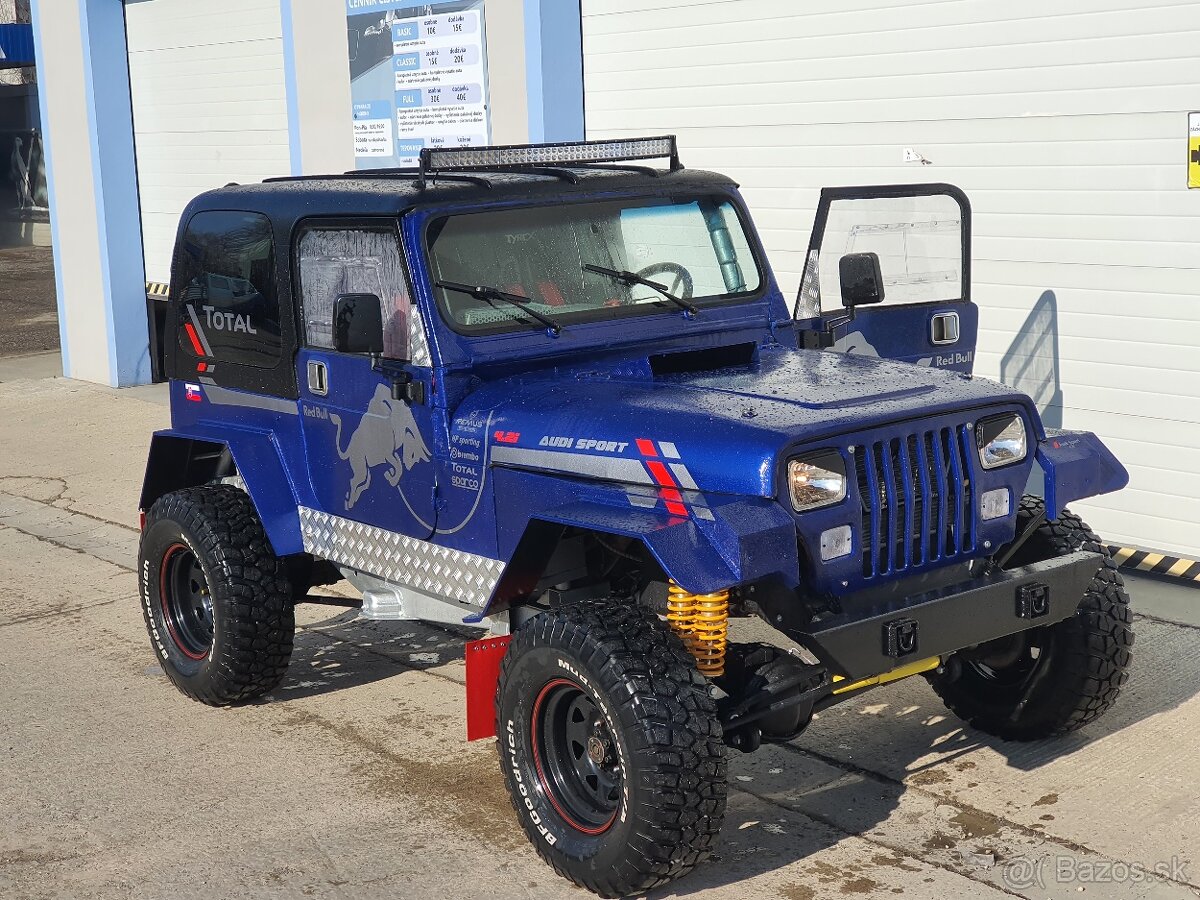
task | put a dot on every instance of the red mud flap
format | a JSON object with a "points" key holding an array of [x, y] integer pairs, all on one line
{"points": [[483, 673]]}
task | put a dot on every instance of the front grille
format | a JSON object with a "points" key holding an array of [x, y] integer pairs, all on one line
{"points": [[917, 498]]}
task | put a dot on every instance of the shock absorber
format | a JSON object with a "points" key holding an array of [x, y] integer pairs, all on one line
{"points": [[702, 623]]}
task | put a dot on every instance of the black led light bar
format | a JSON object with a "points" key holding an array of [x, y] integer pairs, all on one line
{"points": [[563, 155]]}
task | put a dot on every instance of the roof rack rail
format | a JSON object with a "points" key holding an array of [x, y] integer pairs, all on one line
{"points": [[555, 160], [618, 167], [437, 161], [407, 174], [415, 175]]}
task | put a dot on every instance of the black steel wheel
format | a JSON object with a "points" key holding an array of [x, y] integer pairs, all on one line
{"points": [[1012, 661], [1056, 678], [216, 600], [610, 747], [186, 601], [575, 755]]}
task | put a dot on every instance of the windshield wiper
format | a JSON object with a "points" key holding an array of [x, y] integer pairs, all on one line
{"points": [[490, 295], [632, 278]]}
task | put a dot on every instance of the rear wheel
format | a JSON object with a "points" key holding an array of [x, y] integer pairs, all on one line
{"points": [[610, 747], [1053, 679], [216, 600]]}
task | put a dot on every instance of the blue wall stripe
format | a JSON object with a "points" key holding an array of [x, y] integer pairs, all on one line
{"points": [[118, 217], [93, 138], [535, 95], [291, 87], [561, 38]]}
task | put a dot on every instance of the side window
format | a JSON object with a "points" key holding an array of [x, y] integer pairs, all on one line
{"points": [[919, 241], [354, 261], [226, 282]]}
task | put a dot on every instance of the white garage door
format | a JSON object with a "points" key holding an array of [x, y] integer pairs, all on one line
{"points": [[1066, 123], [208, 105]]}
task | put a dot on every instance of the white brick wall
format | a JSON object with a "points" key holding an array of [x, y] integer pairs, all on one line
{"points": [[1065, 123]]}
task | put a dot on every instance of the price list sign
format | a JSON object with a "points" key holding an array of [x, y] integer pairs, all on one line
{"points": [[436, 84]]}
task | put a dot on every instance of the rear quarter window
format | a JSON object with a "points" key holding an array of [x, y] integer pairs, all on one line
{"points": [[225, 283]]}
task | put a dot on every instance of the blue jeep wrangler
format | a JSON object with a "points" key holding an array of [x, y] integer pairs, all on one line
{"points": [[555, 392]]}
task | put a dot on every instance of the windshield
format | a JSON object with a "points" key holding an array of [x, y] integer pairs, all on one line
{"points": [[585, 262]]}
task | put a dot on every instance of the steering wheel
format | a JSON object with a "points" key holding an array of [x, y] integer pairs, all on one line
{"points": [[681, 285]]}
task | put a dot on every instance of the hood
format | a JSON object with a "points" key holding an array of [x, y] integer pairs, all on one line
{"points": [[723, 429]]}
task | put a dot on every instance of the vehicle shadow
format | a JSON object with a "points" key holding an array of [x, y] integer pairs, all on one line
{"points": [[848, 773], [918, 727], [341, 651], [859, 758]]}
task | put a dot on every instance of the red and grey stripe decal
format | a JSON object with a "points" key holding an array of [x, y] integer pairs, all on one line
{"points": [[198, 340], [676, 487], [660, 479]]}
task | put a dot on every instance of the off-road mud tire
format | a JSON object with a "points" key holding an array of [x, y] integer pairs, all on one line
{"points": [[669, 753], [252, 616], [1090, 653]]}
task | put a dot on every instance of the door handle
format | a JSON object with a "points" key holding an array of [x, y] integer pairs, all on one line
{"points": [[943, 328], [318, 378]]}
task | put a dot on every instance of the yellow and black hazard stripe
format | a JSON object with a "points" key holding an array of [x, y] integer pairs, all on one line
{"points": [[157, 290], [1156, 563]]}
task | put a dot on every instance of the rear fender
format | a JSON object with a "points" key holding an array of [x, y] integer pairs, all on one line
{"points": [[180, 459], [1077, 465], [734, 540]]}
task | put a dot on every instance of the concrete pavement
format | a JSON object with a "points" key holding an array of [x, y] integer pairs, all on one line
{"points": [[353, 779]]}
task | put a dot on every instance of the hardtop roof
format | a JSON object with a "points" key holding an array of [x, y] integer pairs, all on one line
{"points": [[366, 194]]}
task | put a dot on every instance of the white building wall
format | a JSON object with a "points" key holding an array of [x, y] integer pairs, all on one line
{"points": [[1065, 123], [209, 105]]}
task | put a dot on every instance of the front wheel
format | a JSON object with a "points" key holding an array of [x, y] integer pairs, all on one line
{"points": [[1053, 679], [610, 747]]}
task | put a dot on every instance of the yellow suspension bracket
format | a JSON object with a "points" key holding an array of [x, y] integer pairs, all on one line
{"points": [[702, 623], [913, 668]]}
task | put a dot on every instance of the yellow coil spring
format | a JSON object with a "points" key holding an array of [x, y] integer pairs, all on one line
{"points": [[702, 623]]}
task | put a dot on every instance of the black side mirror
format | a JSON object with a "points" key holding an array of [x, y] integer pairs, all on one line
{"points": [[862, 280], [357, 324]]}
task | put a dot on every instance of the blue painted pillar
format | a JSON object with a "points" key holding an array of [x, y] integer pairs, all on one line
{"points": [[87, 130], [554, 69]]}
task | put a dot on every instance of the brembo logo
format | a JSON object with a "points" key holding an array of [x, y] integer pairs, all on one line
{"points": [[227, 321]]}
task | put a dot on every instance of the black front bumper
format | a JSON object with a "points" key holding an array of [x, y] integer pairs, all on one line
{"points": [[951, 618]]}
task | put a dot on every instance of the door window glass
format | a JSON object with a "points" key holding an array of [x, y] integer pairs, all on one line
{"points": [[353, 261], [226, 285], [918, 241]]}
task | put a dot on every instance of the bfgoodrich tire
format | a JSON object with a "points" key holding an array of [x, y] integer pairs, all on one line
{"points": [[610, 747], [216, 599], [1054, 679]]}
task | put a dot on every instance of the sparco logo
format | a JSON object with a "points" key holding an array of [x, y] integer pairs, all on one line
{"points": [[227, 321]]}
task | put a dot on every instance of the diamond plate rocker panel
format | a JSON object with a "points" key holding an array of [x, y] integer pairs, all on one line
{"points": [[439, 571]]}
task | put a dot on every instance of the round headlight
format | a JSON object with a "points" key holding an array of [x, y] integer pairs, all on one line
{"points": [[1001, 440], [816, 480]]}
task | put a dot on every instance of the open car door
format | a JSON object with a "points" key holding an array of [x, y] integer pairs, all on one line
{"points": [[920, 237]]}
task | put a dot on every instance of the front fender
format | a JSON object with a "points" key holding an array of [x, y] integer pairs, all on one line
{"points": [[181, 458], [1077, 465], [734, 541]]}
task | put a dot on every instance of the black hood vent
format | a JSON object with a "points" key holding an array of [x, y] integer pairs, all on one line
{"points": [[706, 360]]}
